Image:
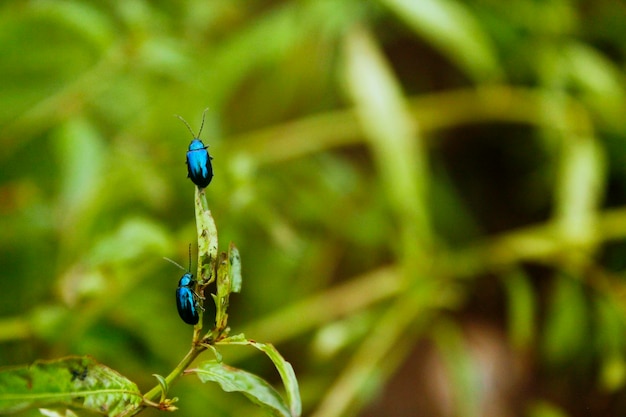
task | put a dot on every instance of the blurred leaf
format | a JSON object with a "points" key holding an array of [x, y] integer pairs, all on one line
{"points": [[465, 378], [341, 334], [522, 308], [82, 155], [260, 43], [64, 43], [566, 330], [610, 327], [594, 72], [452, 28], [89, 22], [236, 380], [393, 137], [133, 238], [610, 340], [48, 321], [613, 372], [580, 187], [545, 409], [164, 56], [74, 381], [599, 80]]}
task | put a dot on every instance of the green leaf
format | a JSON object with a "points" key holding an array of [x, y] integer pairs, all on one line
{"points": [[287, 374], [207, 239], [72, 381], [236, 380], [451, 27], [234, 260], [238, 339], [163, 384], [580, 187], [609, 338], [567, 322], [82, 156], [522, 307], [223, 293], [86, 21], [283, 367], [393, 135]]}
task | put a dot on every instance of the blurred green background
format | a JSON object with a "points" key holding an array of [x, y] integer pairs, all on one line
{"points": [[428, 196]]}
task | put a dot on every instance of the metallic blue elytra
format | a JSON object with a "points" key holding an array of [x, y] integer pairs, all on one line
{"points": [[199, 168], [186, 299]]}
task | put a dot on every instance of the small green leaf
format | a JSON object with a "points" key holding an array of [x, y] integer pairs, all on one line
{"points": [[238, 339], [163, 384], [207, 239], [237, 380], [72, 381], [234, 259], [223, 293], [218, 355], [223, 280]]}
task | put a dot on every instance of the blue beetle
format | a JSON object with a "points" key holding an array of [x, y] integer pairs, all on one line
{"points": [[186, 299], [199, 167]]}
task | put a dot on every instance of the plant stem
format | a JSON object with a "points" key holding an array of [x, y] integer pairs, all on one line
{"points": [[176, 372]]}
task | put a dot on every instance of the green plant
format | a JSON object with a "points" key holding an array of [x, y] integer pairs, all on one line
{"points": [[482, 185], [81, 382]]}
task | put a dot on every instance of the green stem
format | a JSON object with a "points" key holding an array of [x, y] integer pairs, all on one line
{"points": [[176, 372]]}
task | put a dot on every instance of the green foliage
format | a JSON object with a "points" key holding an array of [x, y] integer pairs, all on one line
{"points": [[80, 382], [83, 383], [260, 392], [232, 379], [396, 174]]}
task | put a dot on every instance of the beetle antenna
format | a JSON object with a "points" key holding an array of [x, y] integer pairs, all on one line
{"points": [[189, 270], [174, 262], [189, 127], [187, 124], [202, 125]]}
